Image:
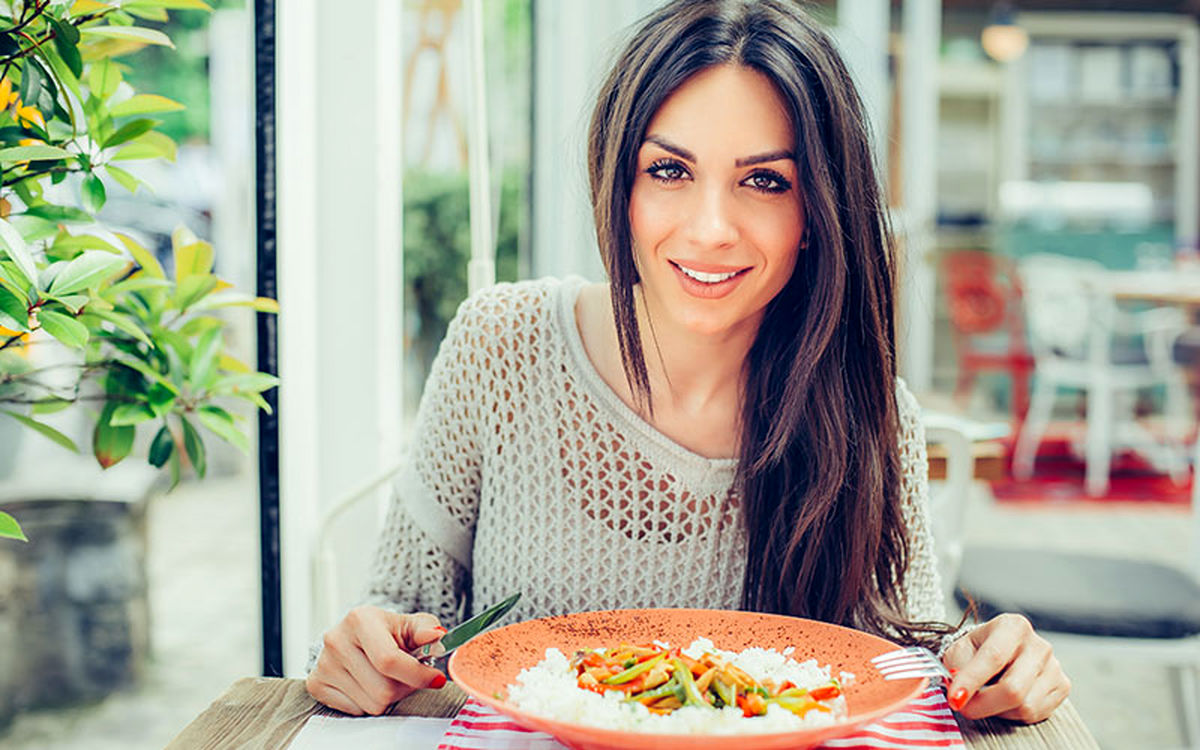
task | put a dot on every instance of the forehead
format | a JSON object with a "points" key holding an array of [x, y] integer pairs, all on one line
{"points": [[725, 109]]}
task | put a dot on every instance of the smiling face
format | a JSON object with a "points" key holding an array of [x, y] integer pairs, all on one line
{"points": [[715, 208]]}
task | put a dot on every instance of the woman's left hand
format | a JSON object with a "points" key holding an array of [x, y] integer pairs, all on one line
{"points": [[1003, 668]]}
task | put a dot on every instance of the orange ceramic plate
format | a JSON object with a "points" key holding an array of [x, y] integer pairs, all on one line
{"points": [[486, 665]]}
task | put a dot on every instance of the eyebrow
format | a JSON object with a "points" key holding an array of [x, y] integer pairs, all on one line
{"points": [[745, 161]]}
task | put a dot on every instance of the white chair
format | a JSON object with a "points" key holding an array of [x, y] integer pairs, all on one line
{"points": [[1082, 341], [330, 598], [948, 497]]}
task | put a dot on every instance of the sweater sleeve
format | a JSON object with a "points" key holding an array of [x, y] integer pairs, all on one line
{"points": [[922, 593]]}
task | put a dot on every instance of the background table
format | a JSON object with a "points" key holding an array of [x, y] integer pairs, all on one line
{"points": [[266, 713]]}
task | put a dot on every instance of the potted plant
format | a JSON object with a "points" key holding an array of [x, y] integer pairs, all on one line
{"points": [[151, 350], [146, 343]]}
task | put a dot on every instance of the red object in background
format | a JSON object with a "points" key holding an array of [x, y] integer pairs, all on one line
{"points": [[984, 301], [1058, 480]]}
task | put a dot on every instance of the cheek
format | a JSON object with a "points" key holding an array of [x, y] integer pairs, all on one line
{"points": [[650, 216], [779, 233]]}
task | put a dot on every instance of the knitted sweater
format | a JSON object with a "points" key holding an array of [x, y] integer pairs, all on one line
{"points": [[528, 473]]}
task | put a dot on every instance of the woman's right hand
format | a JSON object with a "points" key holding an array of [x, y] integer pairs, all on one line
{"points": [[365, 665]]}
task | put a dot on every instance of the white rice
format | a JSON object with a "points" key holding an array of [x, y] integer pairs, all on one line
{"points": [[549, 689]]}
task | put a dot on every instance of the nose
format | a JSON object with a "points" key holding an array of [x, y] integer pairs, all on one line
{"points": [[712, 222]]}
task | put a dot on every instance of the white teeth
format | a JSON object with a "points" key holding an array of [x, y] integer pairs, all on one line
{"points": [[707, 278]]}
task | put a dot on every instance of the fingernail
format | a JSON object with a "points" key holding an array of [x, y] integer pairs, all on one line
{"points": [[439, 627], [438, 682], [958, 699], [953, 671]]}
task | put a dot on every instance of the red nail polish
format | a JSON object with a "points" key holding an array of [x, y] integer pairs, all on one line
{"points": [[438, 682], [958, 699], [439, 627]]}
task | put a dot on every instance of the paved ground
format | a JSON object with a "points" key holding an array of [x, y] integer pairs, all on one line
{"points": [[203, 562]]}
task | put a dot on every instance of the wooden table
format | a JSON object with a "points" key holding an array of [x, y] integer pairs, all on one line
{"points": [[263, 713], [1165, 287]]}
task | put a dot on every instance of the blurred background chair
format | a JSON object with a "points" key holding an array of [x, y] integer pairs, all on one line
{"points": [[1081, 341], [948, 497], [983, 298]]}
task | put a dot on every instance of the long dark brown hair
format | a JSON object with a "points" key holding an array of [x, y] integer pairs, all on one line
{"points": [[819, 469]]}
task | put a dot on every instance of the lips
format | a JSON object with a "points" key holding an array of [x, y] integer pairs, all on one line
{"points": [[708, 273], [706, 280]]}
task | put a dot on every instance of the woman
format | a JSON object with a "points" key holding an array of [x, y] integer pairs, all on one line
{"points": [[718, 426]]}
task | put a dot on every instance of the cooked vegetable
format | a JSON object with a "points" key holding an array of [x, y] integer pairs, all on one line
{"points": [[664, 679]]}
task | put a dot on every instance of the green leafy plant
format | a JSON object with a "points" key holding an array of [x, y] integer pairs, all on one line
{"points": [[437, 246], [149, 347]]}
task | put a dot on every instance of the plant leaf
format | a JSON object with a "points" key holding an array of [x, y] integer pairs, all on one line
{"points": [[221, 423], [170, 4], [66, 41], [123, 178], [104, 77], [131, 414], [13, 313], [251, 382], [92, 193], [151, 145], [161, 447], [44, 429], [230, 363], [199, 325], [14, 245], [51, 405], [201, 368], [234, 299], [10, 529], [60, 214], [193, 289], [111, 443], [73, 302], [194, 445], [130, 33], [160, 399], [145, 258], [144, 104], [122, 322], [129, 131], [175, 470], [89, 269], [65, 242], [31, 81], [135, 283], [32, 153], [64, 328], [146, 11], [147, 371]]}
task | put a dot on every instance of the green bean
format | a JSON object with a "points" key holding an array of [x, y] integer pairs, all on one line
{"points": [[622, 677], [667, 688], [692, 694]]}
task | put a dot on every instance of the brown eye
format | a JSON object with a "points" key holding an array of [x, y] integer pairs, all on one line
{"points": [[667, 170], [768, 181]]}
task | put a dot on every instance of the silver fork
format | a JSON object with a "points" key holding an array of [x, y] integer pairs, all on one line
{"points": [[907, 663]]}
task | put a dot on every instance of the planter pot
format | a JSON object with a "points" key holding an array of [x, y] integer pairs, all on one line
{"points": [[74, 614]]}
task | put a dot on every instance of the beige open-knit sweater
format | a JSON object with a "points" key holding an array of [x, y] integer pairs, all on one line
{"points": [[527, 473]]}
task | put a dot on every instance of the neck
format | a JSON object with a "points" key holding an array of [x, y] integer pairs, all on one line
{"points": [[689, 371]]}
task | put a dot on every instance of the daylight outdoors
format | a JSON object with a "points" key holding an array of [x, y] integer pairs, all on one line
{"points": [[234, 235]]}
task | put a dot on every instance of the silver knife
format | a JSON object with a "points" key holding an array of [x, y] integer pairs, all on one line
{"points": [[440, 649]]}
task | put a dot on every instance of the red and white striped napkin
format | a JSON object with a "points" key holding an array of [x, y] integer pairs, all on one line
{"points": [[927, 722]]}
